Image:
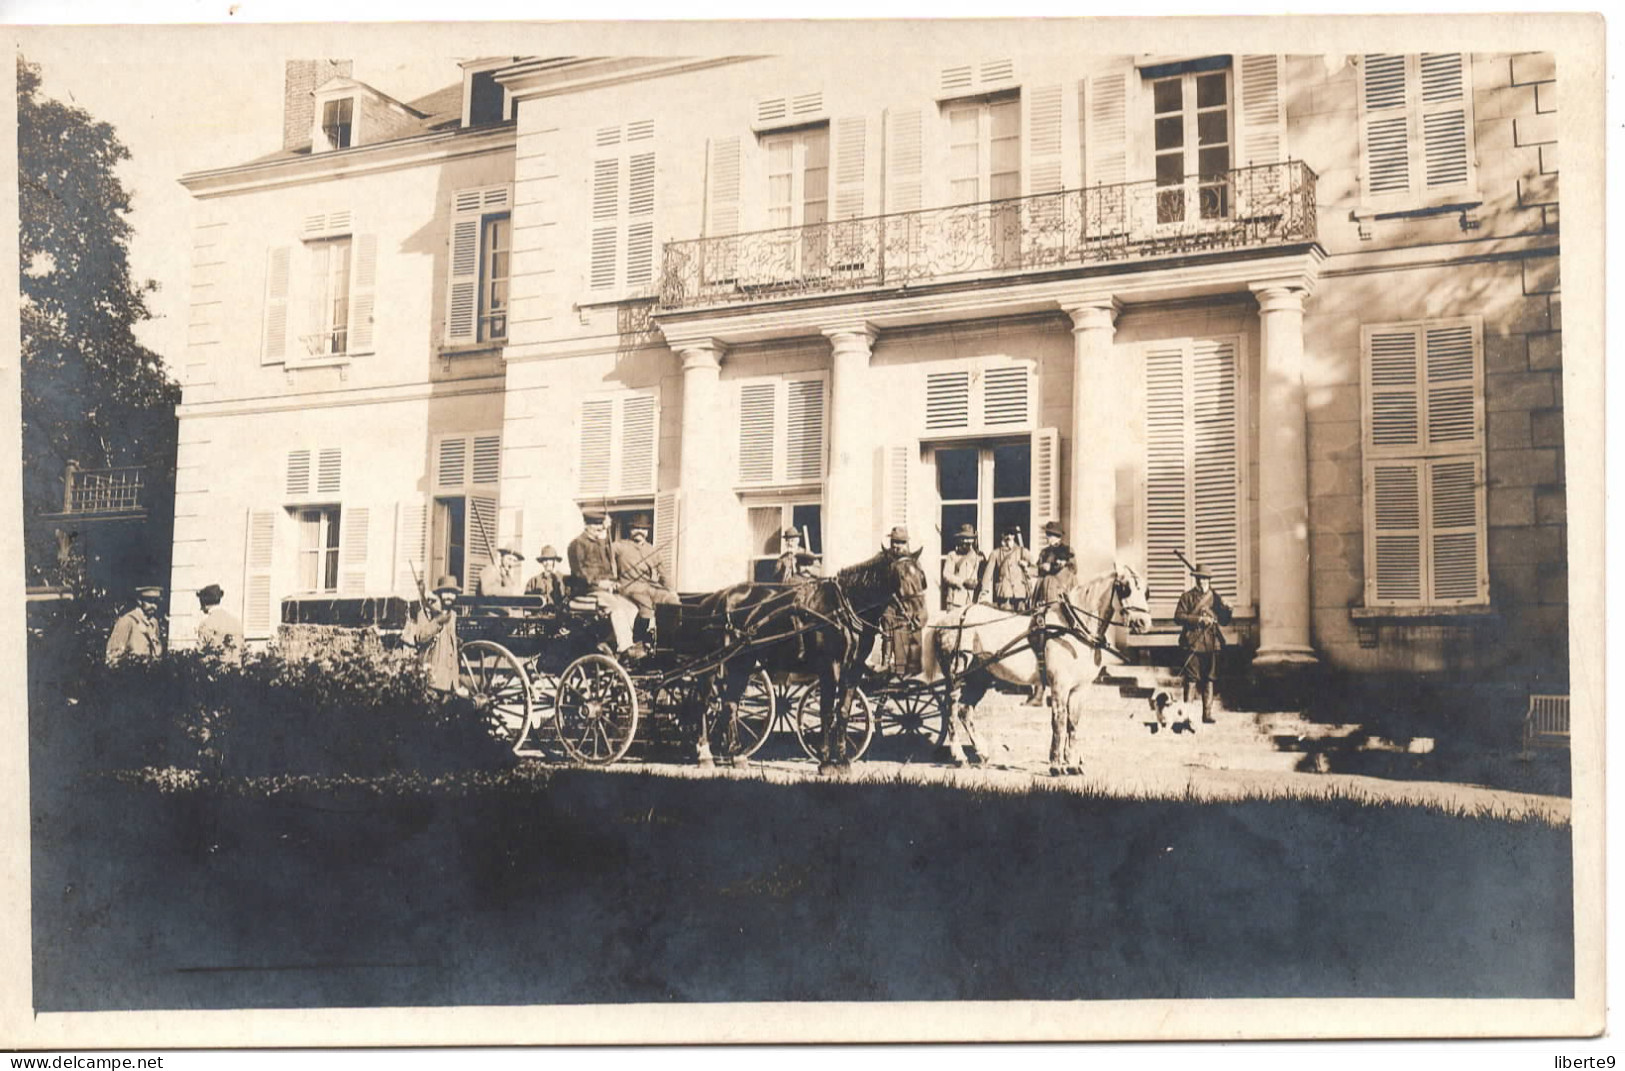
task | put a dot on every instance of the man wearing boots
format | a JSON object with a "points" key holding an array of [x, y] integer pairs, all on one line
{"points": [[1201, 613]]}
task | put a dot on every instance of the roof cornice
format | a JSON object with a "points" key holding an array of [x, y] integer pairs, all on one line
{"points": [[574, 74], [361, 160]]}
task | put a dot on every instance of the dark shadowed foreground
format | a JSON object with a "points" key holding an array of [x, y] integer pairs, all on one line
{"points": [[582, 886]]}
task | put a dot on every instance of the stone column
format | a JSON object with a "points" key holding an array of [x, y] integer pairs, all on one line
{"points": [[701, 473], [1283, 481], [1097, 424], [849, 485]]}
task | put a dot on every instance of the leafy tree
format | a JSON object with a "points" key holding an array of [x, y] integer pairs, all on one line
{"points": [[91, 392]]}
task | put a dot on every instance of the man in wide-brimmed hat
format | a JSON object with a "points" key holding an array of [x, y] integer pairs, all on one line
{"points": [[503, 576], [637, 564], [962, 570], [219, 631], [796, 564], [592, 573], [548, 583], [1009, 574], [1201, 613], [138, 633], [433, 632]]}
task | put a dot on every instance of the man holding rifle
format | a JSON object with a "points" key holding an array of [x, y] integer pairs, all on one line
{"points": [[1201, 613]]}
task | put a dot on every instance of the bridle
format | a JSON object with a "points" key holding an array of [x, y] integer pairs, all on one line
{"points": [[1115, 615]]}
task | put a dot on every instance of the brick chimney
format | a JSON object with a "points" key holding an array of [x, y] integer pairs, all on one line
{"points": [[298, 108]]}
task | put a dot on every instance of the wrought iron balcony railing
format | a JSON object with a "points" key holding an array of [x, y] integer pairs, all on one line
{"points": [[116, 490], [1248, 208]]}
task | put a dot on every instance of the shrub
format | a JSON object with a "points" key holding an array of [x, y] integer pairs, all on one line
{"points": [[348, 708]]}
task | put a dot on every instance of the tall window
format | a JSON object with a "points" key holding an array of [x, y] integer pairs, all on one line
{"points": [[337, 122], [479, 265], [319, 549], [1191, 127], [495, 238], [621, 252], [449, 538], [1424, 464], [798, 195], [330, 306], [984, 164], [987, 486], [1416, 124], [463, 525]]}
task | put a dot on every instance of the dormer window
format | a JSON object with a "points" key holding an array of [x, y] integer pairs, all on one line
{"points": [[485, 100], [338, 119]]}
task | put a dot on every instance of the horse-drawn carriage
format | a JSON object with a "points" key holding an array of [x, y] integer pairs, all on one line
{"points": [[724, 670]]}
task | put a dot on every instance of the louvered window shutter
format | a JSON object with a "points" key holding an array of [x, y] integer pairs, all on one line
{"points": [[274, 346], [606, 210], [597, 438], [668, 533], [1393, 378], [758, 408], [297, 484], [480, 538], [329, 470], [851, 167], [451, 463], [1006, 396], [640, 227], [363, 283], [892, 489], [1192, 468], [463, 288], [721, 259], [1215, 476], [804, 438], [1457, 567], [948, 401], [1107, 140], [1445, 127], [1263, 117], [1386, 124], [411, 528], [905, 160], [1043, 107], [1394, 489], [639, 427], [354, 533], [1454, 398], [258, 557], [1046, 482], [487, 460]]}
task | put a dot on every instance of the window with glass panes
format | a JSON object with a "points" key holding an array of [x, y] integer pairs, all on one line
{"points": [[495, 245], [984, 164], [337, 122], [985, 485], [767, 525], [319, 549], [798, 194], [330, 313], [1191, 127], [449, 538]]}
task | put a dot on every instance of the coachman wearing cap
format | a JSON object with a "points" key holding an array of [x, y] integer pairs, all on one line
{"points": [[138, 633], [1200, 613], [592, 573], [505, 575], [962, 570], [902, 623], [1056, 569]]}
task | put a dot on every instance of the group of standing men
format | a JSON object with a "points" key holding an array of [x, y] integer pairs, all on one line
{"points": [[139, 633], [1009, 578]]}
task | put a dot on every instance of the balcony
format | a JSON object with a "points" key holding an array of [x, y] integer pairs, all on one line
{"points": [[1249, 208], [113, 493]]}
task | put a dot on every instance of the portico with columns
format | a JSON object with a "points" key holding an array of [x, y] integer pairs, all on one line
{"points": [[1088, 398]]}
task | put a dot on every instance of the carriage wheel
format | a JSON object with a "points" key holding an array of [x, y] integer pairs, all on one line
{"points": [[753, 718], [595, 710], [915, 712], [860, 724], [499, 686]]}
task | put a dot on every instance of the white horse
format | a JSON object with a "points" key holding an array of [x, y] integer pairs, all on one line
{"points": [[1073, 629]]}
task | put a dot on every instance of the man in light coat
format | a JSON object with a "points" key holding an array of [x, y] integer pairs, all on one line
{"points": [[138, 634], [962, 570], [219, 632]]}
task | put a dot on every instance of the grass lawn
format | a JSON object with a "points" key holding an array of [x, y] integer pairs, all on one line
{"points": [[534, 886]]}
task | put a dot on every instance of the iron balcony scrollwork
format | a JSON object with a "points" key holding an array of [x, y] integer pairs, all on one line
{"points": [[1247, 208]]}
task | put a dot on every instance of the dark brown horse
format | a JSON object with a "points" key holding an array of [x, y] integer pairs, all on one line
{"points": [[825, 627]]}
